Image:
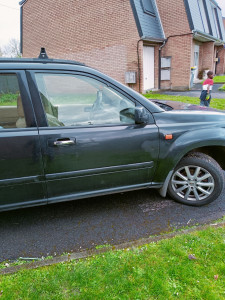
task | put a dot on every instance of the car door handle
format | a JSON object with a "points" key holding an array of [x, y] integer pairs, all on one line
{"points": [[64, 142]]}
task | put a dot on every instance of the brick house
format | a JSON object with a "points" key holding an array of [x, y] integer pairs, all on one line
{"points": [[195, 38], [124, 38]]}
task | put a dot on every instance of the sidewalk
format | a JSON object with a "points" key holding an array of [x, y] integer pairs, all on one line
{"points": [[196, 90]]}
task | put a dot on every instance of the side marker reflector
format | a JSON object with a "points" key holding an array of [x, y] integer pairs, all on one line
{"points": [[168, 136]]}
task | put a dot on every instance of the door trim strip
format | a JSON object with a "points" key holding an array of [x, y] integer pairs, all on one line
{"points": [[98, 171]]}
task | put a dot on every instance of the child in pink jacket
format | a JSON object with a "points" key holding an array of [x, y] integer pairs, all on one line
{"points": [[205, 96]]}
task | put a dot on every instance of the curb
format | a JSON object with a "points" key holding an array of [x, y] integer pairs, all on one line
{"points": [[88, 253]]}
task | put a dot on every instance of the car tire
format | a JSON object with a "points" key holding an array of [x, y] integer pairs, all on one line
{"points": [[197, 180]]}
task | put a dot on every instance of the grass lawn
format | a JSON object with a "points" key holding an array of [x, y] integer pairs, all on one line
{"points": [[73, 99], [222, 88], [216, 103], [190, 266], [219, 79], [8, 99]]}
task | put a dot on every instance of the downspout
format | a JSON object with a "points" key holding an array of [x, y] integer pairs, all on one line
{"points": [[21, 29], [139, 72], [160, 49]]}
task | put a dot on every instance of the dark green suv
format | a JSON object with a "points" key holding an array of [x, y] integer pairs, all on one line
{"points": [[70, 132]]}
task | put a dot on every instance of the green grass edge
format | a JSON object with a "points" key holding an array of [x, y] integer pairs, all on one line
{"points": [[188, 266]]}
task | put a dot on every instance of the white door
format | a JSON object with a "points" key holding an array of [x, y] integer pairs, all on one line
{"points": [[196, 59], [148, 67]]}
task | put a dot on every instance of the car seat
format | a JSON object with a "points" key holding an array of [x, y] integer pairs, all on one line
{"points": [[21, 122]]}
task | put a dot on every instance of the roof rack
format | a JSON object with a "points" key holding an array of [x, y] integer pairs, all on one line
{"points": [[37, 60], [43, 58]]}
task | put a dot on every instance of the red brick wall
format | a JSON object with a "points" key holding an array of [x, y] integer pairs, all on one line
{"points": [[180, 48], [220, 68], [173, 16], [102, 34], [208, 53], [207, 56], [174, 20]]}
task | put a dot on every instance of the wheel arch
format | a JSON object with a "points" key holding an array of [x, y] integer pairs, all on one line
{"points": [[214, 151], [206, 140]]}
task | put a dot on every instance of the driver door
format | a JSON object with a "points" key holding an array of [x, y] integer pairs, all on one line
{"points": [[88, 146]]}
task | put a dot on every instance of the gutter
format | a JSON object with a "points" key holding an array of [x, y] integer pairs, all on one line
{"points": [[21, 3], [21, 30], [197, 33], [216, 4], [152, 39]]}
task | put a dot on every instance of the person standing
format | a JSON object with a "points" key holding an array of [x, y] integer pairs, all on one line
{"points": [[205, 96]]}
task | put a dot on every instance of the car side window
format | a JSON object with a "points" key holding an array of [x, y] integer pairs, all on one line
{"points": [[77, 100], [11, 107]]}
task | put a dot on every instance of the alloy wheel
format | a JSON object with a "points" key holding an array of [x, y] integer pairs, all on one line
{"points": [[193, 183]]}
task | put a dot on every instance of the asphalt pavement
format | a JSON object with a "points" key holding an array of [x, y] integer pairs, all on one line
{"points": [[83, 224]]}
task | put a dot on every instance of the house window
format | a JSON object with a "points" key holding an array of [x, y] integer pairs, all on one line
{"points": [[217, 23], [203, 16], [148, 7], [165, 68]]}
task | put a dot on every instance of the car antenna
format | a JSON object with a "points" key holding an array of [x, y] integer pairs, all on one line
{"points": [[43, 54]]}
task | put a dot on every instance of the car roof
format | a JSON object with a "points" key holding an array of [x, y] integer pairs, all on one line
{"points": [[38, 61], [29, 62]]}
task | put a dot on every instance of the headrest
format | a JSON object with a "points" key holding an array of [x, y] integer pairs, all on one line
{"points": [[20, 110]]}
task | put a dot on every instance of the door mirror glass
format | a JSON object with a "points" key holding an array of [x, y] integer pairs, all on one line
{"points": [[138, 114], [127, 115], [141, 115]]}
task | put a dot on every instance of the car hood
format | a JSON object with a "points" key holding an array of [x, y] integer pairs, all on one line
{"points": [[176, 105], [191, 118]]}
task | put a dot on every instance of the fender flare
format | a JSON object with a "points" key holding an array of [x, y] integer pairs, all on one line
{"points": [[183, 145]]}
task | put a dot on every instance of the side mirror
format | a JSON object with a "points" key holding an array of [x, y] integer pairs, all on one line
{"points": [[127, 115], [141, 115], [137, 115]]}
